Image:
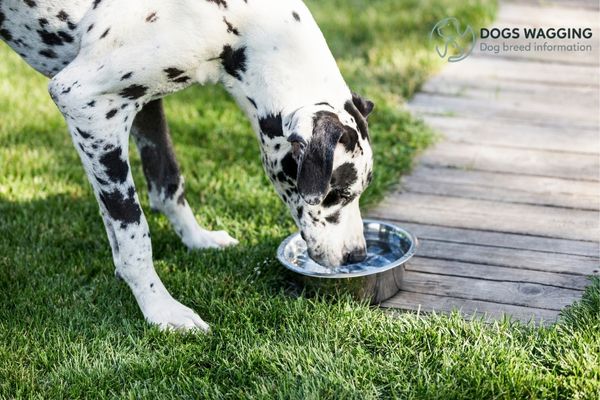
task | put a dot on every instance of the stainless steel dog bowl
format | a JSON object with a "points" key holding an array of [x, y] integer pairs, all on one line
{"points": [[374, 280]]}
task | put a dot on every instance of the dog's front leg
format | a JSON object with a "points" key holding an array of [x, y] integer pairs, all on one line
{"points": [[99, 117]]}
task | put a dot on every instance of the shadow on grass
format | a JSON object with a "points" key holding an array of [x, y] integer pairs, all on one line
{"points": [[57, 269]]}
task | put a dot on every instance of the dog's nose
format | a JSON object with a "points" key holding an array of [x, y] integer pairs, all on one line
{"points": [[356, 256]]}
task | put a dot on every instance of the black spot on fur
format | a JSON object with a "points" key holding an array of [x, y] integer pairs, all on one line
{"points": [[349, 139], [300, 211], [337, 197], [174, 74], [252, 101], [296, 16], [271, 125], [48, 53], [90, 27], [333, 218], [219, 2], [182, 79], [314, 219], [231, 28], [171, 189], [100, 181], [30, 3], [234, 61], [133, 92], [290, 166], [83, 134], [344, 176], [341, 180], [282, 177], [127, 76], [116, 168], [50, 38], [65, 36], [96, 3], [151, 17], [71, 25], [62, 15], [6, 34], [43, 22], [111, 113], [105, 33], [121, 208], [91, 103]]}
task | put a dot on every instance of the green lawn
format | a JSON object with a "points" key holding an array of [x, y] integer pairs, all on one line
{"points": [[69, 329]]}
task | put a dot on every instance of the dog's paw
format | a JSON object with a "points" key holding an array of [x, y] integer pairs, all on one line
{"points": [[169, 314], [222, 239], [209, 240]]}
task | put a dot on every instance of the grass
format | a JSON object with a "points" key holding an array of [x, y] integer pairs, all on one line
{"points": [[68, 329]]}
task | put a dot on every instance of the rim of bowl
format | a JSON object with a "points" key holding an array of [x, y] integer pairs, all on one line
{"points": [[414, 242]]}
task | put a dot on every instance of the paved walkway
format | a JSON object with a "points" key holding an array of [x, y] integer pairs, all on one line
{"points": [[507, 205]]}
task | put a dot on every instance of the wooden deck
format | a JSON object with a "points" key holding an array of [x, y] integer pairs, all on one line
{"points": [[507, 205]]}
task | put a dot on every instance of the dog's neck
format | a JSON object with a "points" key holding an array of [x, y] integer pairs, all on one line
{"points": [[283, 61]]}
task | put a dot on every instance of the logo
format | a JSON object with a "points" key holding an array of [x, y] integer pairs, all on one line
{"points": [[456, 44]]}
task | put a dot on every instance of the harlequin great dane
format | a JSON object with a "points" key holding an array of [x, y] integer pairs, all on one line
{"points": [[110, 63]]}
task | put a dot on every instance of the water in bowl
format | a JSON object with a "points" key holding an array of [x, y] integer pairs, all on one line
{"points": [[379, 253]]}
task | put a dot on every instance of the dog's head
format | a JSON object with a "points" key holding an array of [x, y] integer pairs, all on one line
{"points": [[320, 167]]}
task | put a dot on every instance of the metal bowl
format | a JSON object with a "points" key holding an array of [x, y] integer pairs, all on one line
{"points": [[376, 279]]}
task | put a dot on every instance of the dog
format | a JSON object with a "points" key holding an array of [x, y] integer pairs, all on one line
{"points": [[111, 62]]}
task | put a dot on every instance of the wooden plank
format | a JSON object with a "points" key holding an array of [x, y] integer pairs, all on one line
{"points": [[494, 272], [519, 294], [516, 259], [503, 70], [514, 161], [505, 240], [532, 184], [491, 216], [504, 187], [468, 308], [551, 96], [543, 113], [518, 134]]}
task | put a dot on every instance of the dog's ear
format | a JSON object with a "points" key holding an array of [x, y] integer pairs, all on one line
{"points": [[363, 105], [315, 158]]}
